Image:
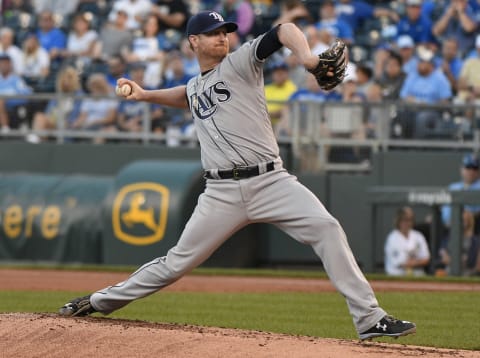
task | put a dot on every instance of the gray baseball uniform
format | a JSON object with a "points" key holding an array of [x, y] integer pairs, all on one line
{"points": [[234, 130]]}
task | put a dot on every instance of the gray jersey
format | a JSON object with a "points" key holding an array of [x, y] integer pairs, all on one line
{"points": [[230, 132]]}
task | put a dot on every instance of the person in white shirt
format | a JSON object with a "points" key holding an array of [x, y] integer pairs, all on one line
{"points": [[7, 45], [136, 10], [406, 249]]}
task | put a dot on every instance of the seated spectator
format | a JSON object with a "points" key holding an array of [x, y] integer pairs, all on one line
{"points": [[416, 24], [136, 11], [469, 78], [174, 71], [35, 62], [7, 45], [470, 180], [458, 21], [60, 7], [240, 12], [329, 21], [116, 68], [145, 48], [392, 77], [11, 115], [356, 12], [171, 14], [364, 78], [426, 86], [131, 114], [278, 91], [114, 39], [99, 112], [51, 38], [81, 42], [450, 62], [406, 249], [406, 49], [66, 107], [470, 259], [190, 63], [293, 11]]}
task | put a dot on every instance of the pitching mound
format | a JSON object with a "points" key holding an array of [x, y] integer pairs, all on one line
{"points": [[48, 335]]}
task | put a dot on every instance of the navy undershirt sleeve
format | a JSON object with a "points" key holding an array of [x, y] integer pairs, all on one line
{"points": [[269, 44]]}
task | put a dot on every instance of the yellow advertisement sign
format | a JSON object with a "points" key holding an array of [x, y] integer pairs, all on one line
{"points": [[139, 213]]}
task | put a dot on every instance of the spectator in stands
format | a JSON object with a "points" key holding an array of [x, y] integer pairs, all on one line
{"points": [[11, 84], [81, 42], [145, 48], [451, 62], [190, 63], [174, 71], [240, 12], [35, 62], [278, 91], [469, 78], [330, 22], [470, 180], [406, 49], [7, 45], [356, 12], [293, 11], [416, 24], [470, 259], [99, 112], [426, 86], [117, 68], [64, 108], [114, 39], [60, 7], [171, 14], [392, 77], [131, 114], [51, 38], [136, 11], [406, 249], [364, 78], [458, 21]]}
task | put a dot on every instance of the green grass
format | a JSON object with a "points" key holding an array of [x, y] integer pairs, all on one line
{"points": [[446, 319]]}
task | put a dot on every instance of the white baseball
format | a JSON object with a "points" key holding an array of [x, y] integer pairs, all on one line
{"points": [[124, 90]]}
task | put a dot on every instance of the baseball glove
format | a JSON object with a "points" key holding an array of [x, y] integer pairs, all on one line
{"points": [[333, 60]]}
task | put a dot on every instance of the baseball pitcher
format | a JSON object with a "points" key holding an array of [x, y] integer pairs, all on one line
{"points": [[245, 178]]}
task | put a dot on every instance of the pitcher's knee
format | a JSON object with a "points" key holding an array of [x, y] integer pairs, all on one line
{"points": [[329, 229]]}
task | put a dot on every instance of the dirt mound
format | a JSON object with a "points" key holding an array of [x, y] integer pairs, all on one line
{"points": [[47, 335]]}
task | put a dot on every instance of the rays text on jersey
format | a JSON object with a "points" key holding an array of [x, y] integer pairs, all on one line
{"points": [[205, 104]]}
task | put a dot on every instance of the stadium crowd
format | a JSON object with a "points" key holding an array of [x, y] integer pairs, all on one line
{"points": [[416, 52]]}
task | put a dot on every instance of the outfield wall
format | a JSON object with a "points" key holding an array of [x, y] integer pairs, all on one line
{"points": [[125, 204]]}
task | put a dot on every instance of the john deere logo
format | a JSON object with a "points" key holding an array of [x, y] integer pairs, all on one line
{"points": [[140, 212]]}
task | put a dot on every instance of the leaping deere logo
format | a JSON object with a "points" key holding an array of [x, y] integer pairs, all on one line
{"points": [[139, 214]]}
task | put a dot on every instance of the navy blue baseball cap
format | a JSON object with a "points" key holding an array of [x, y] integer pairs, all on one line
{"points": [[206, 21], [471, 161]]}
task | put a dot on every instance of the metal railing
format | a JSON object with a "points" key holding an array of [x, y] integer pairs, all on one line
{"points": [[322, 136]]}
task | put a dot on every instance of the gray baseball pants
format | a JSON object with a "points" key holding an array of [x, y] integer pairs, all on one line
{"points": [[228, 205]]}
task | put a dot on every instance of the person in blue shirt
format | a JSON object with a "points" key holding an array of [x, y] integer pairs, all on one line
{"points": [[458, 21], [11, 84], [450, 62], [470, 180], [335, 26], [50, 37], [428, 85], [356, 12], [415, 24]]}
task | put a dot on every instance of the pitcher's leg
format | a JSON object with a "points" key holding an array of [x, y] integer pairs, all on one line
{"points": [[210, 225], [300, 214]]}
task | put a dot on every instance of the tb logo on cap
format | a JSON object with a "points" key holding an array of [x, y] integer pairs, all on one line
{"points": [[216, 16]]}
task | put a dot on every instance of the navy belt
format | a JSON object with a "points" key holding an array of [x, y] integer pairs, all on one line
{"points": [[238, 173]]}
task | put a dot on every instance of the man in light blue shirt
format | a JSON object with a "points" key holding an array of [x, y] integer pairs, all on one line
{"points": [[470, 181], [427, 85]]}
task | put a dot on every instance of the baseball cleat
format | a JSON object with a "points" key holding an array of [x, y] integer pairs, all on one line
{"points": [[389, 326], [80, 306]]}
